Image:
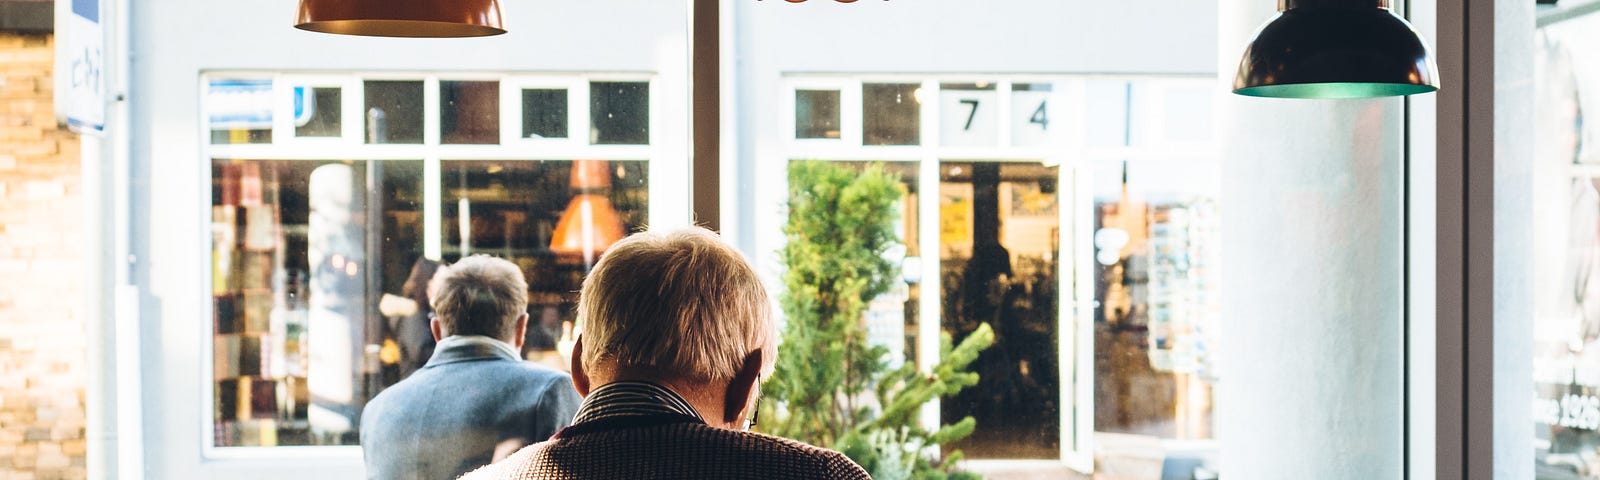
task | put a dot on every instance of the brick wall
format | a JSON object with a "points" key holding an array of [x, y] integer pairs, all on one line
{"points": [[42, 317]]}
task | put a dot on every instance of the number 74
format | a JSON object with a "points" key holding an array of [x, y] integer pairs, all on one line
{"points": [[1040, 115]]}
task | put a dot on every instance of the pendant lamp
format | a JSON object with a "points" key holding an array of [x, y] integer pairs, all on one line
{"points": [[401, 18], [1336, 49], [590, 223]]}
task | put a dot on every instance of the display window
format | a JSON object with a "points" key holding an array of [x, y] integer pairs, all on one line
{"points": [[1566, 362], [1077, 218], [335, 197]]}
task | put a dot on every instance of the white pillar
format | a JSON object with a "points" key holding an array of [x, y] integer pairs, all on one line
{"points": [[1311, 357]]}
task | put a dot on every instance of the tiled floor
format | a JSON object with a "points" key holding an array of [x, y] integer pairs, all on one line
{"points": [[1025, 471]]}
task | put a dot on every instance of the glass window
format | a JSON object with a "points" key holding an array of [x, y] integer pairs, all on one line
{"points": [[544, 113], [974, 114], [619, 113], [1566, 222], [317, 112], [301, 253], [394, 111], [1156, 250], [239, 110], [816, 114], [318, 265], [999, 231], [529, 212], [1095, 274], [1031, 113], [469, 112], [892, 114]]}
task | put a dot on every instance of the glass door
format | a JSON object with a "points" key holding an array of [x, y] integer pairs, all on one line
{"points": [[1000, 231]]}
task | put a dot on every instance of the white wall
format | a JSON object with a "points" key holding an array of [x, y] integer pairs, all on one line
{"points": [[174, 41]]}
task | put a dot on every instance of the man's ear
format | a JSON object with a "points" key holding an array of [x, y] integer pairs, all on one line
{"points": [[741, 389], [433, 325], [580, 378], [521, 331]]}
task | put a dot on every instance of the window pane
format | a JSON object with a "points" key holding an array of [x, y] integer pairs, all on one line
{"points": [[1566, 236], [301, 253], [1031, 114], [240, 111], [619, 113], [469, 112], [1156, 299], [544, 113], [816, 114], [971, 114], [394, 111], [999, 230], [317, 112], [891, 114], [517, 210]]}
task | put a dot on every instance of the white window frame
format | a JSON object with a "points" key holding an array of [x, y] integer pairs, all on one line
{"points": [[666, 207], [1066, 148]]}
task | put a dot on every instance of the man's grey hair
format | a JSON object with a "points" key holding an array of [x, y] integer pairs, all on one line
{"points": [[678, 302], [481, 295]]}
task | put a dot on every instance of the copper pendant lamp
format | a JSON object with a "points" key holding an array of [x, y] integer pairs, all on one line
{"points": [[1336, 49], [401, 18]]}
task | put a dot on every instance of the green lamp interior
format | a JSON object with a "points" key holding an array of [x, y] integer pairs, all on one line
{"points": [[1335, 90]]}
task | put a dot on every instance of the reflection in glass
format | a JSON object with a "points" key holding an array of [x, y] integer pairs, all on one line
{"points": [[239, 111], [394, 111], [469, 112], [891, 318], [241, 135], [891, 113], [1157, 305], [999, 235], [619, 113], [301, 252], [318, 114], [510, 209], [816, 114], [1566, 236], [544, 113]]}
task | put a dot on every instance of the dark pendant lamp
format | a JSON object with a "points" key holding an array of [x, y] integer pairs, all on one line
{"points": [[1336, 49], [401, 18]]}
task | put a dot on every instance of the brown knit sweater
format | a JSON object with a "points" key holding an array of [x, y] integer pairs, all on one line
{"points": [[668, 447]]}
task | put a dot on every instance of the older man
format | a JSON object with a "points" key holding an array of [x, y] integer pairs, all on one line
{"points": [[678, 334], [475, 395]]}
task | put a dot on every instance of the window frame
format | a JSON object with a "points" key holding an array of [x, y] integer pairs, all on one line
{"points": [[1068, 151], [664, 169]]}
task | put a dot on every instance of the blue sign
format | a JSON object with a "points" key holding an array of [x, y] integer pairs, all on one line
{"points": [[239, 104], [247, 104], [89, 9]]}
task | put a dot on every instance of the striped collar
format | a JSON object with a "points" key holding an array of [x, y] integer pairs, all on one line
{"points": [[631, 398]]}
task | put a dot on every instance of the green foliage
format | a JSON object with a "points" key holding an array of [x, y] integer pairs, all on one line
{"points": [[831, 388]]}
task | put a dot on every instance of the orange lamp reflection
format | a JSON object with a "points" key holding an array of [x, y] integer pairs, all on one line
{"points": [[590, 223]]}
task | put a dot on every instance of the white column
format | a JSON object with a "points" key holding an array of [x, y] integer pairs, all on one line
{"points": [[1514, 248], [1311, 357]]}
